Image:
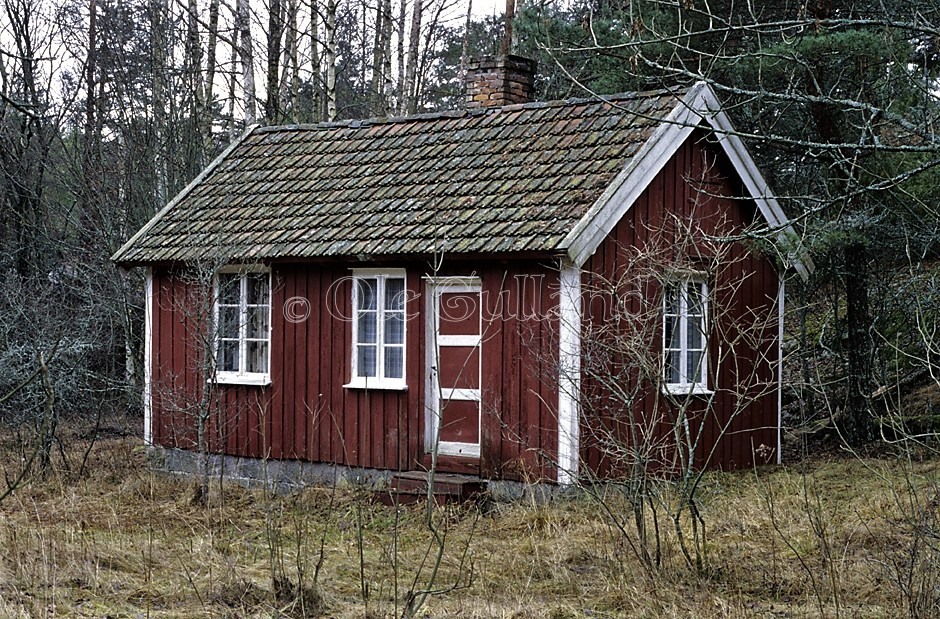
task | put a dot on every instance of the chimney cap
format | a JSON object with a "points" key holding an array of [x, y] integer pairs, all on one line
{"points": [[520, 63]]}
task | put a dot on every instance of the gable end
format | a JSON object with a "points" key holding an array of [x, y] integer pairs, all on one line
{"points": [[699, 107]]}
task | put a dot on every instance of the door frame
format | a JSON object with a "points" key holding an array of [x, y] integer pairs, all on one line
{"points": [[435, 287]]}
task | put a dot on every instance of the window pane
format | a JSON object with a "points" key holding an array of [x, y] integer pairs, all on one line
{"points": [[695, 333], [367, 329], [695, 370], [672, 367], [228, 322], [257, 357], [258, 322], [672, 300], [395, 294], [394, 362], [673, 336], [365, 362], [228, 356], [394, 328], [366, 291], [229, 288], [258, 288], [695, 298]]}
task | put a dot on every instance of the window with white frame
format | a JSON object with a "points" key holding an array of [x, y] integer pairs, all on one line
{"points": [[243, 326], [378, 355], [684, 342]]}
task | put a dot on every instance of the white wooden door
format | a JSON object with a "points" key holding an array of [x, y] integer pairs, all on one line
{"points": [[453, 413]]}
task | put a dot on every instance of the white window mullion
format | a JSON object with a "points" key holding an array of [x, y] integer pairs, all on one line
{"points": [[683, 334], [380, 326], [242, 324]]}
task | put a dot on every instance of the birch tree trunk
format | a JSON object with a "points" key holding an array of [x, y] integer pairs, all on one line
{"points": [[330, 60], [246, 52], [90, 69], [464, 54], [233, 83], [210, 73], [315, 61], [290, 76]]}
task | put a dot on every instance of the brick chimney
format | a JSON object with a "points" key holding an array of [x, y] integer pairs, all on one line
{"points": [[493, 81]]}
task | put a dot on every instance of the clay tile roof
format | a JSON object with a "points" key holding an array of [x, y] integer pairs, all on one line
{"points": [[507, 179]]}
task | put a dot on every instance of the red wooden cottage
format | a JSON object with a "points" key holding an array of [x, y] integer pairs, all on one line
{"points": [[363, 292]]}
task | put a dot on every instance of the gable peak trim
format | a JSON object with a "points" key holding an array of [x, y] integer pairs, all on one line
{"points": [[699, 106]]}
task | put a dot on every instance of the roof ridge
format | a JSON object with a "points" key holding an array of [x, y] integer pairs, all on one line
{"points": [[361, 123]]}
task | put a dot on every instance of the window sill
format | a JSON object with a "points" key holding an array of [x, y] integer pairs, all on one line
{"points": [[680, 389], [377, 383], [233, 378]]}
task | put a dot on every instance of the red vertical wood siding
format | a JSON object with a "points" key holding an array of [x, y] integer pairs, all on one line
{"points": [[520, 371], [306, 413], [748, 287]]}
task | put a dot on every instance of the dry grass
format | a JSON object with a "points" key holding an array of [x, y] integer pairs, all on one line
{"points": [[848, 538]]}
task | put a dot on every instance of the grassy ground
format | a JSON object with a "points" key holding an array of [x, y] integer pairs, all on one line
{"points": [[836, 537]]}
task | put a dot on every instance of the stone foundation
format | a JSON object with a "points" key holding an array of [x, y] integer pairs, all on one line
{"points": [[288, 475]]}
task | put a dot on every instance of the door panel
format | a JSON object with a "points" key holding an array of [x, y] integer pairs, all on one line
{"points": [[459, 313], [460, 367], [460, 422]]}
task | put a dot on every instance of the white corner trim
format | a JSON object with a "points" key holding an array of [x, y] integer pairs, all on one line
{"points": [[182, 194], [148, 356], [780, 314], [569, 372]]}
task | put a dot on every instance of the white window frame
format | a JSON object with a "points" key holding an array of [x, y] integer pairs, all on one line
{"points": [[379, 381], [241, 377], [700, 383]]}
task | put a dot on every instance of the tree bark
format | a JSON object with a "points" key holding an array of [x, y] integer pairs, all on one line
{"points": [[246, 53], [330, 26], [315, 61], [193, 71], [387, 55], [210, 73], [290, 77], [409, 89], [377, 85], [272, 110], [400, 57], [508, 19], [858, 425], [233, 83]]}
